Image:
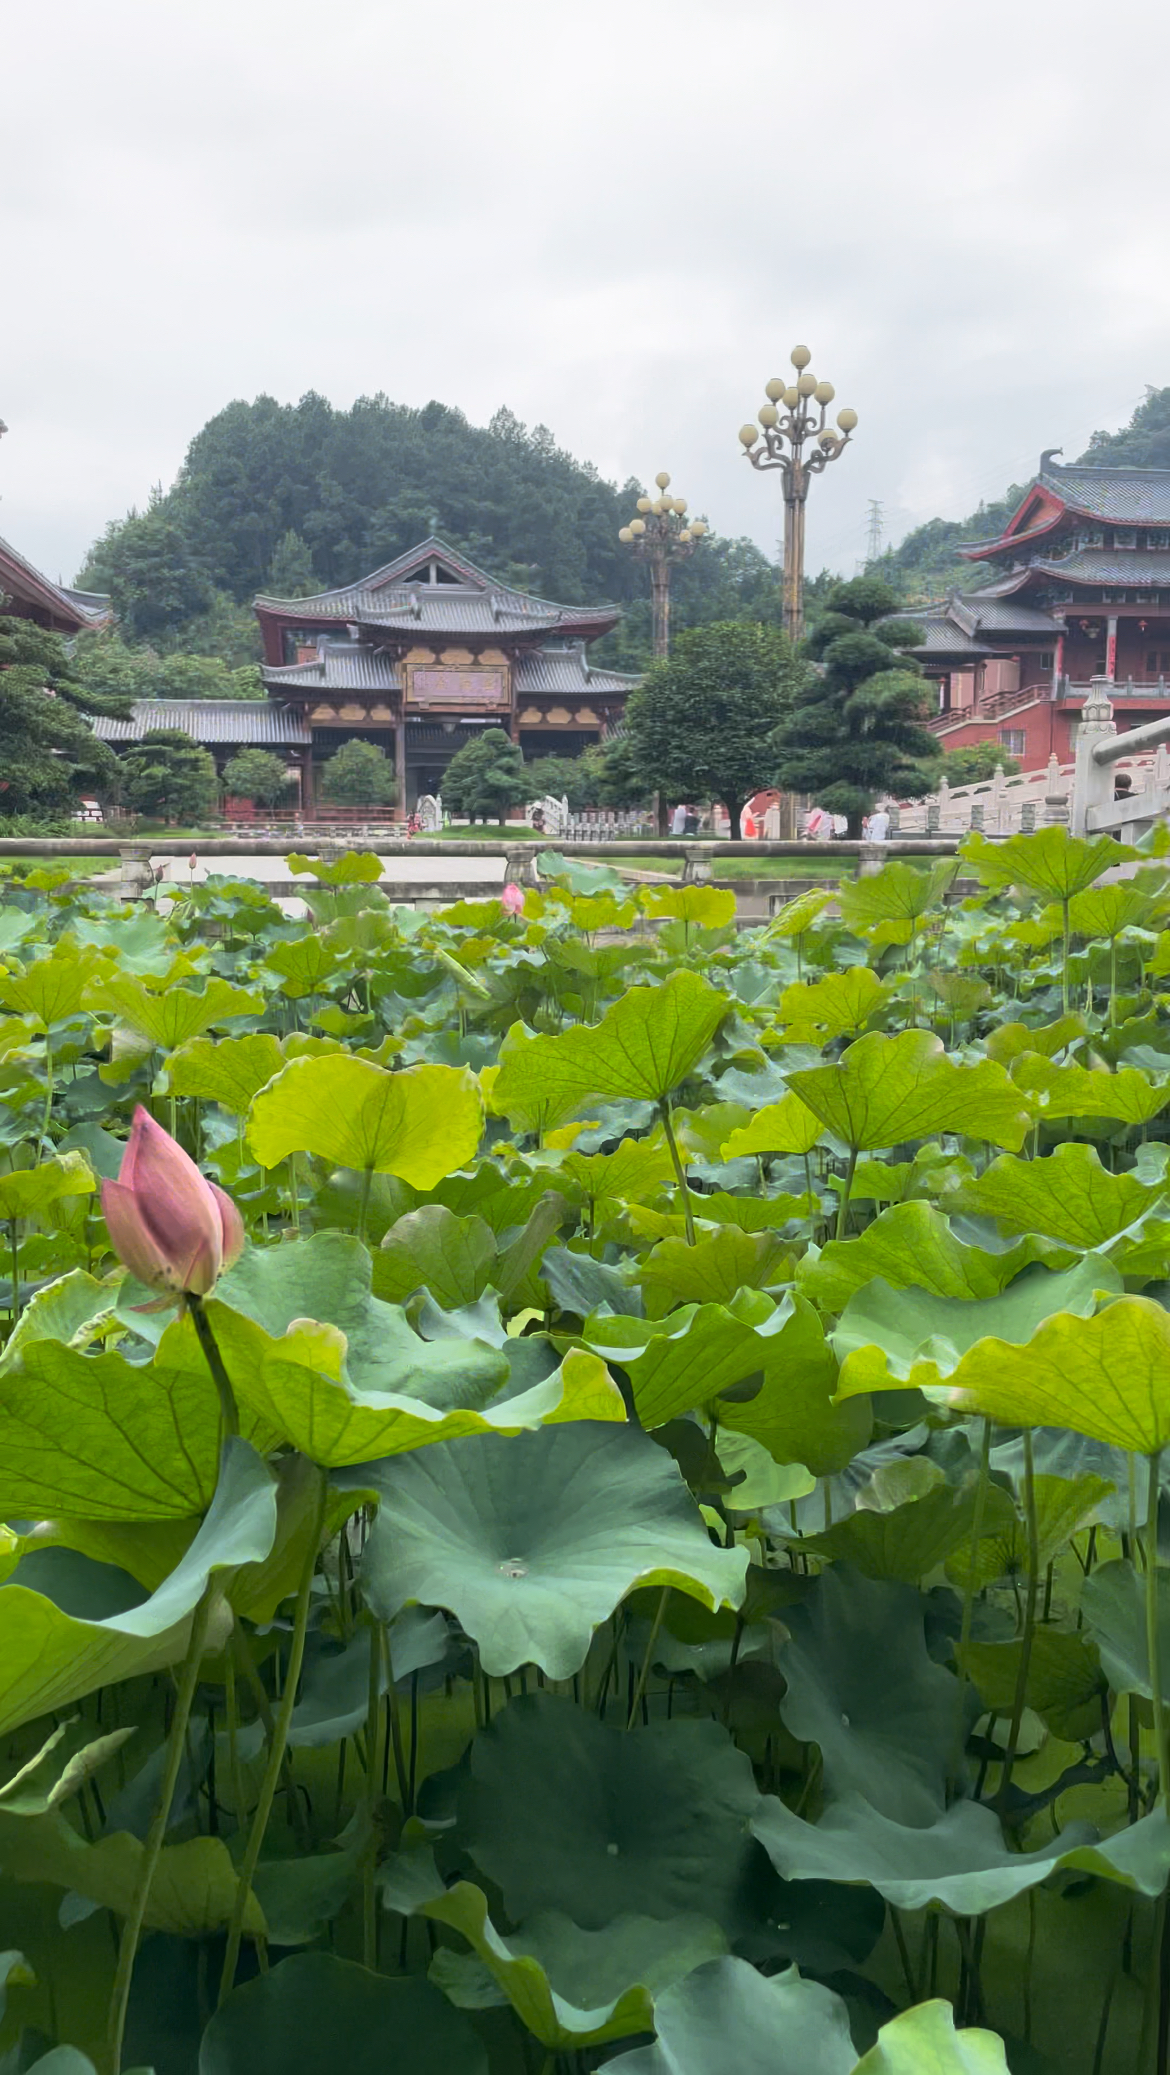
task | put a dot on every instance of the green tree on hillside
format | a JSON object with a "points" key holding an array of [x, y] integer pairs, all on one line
{"points": [[699, 725], [855, 726], [570, 778], [150, 569], [168, 777], [615, 776], [976, 760], [112, 667], [486, 778], [259, 776], [290, 572], [359, 774], [49, 753]]}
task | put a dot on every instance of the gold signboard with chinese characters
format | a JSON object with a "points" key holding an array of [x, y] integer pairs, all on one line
{"points": [[438, 686]]}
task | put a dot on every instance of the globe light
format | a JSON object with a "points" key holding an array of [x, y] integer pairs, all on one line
{"points": [[660, 505], [847, 419], [768, 414], [625, 533], [807, 384], [680, 505], [662, 480], [800, 356], [685, 534], [824, 392], [748, 435], [644, 504], [827, 438], [774, 389], [792, 397], [637, 527], [698, 528]]}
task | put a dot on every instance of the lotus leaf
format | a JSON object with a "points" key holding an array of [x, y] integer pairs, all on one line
{"points": [[296, 2015], [886, 1091], [725, 2015], [420, 1124]]}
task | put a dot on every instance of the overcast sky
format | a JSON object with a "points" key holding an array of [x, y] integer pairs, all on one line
{"points": [[614, 217]]}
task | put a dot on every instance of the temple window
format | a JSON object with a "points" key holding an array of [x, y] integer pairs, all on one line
{"points": [[1125, 536]]}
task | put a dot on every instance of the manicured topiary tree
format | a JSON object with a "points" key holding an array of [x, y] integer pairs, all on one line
{"points": [[486, 777], [359, 774]]}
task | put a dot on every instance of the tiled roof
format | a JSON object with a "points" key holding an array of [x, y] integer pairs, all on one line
{"points": [[248, 721], [940, 636], [354, 666], [400, 595], [969, 620], [83, 608], [1005, 616], [1132, 496], [1109, 566]]}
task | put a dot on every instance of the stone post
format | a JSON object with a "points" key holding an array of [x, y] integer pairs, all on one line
{"points": [[1092, 782], [1055, 796]]}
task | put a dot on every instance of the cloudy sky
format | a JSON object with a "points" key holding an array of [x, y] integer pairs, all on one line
{"points": [[615, 217]]}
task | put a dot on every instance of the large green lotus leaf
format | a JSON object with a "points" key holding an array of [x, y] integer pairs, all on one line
{"points": [[1107, 1377], [68, 1625], [884, 1091], [1104, 911], [1010, 1040], [715, 1267], [141, 942], [1063, 1506], [793, 1415], [169, 1017], [899, 892], [1078, 1091], [354, 868], [300, 1897], [798, 916], [569, 1987], [840, 1005], [303, 964], [1113, 1602], [77, 1308], [536, 1108], [296, 1388], [912, 1246], [886, 1338], [432, 1249], [230, 1071], [634, 1172], [924, 2041], [578, 876], [1050, 862], [193, 1891], [761, 1480], [787, 1126], [747, 1213], [1068, 1195], [327, 1278], [69, 1757], [654, 1823], [909, 1541], [1064, 1685], [710, 906], [421, 1124], [727, 2016], [958, 1858], [532, 1542], [53, 987], [315, 2013], [689, 1357], [28, 1192], [863, 1686], [644, 1046]]}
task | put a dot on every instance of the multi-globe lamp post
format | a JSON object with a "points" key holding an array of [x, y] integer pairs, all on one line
{"points": [[793, 419], [661, 534]]}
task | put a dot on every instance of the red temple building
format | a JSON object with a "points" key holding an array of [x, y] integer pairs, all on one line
{"points": [[425, 651], [28, 595], [1080, 589]]}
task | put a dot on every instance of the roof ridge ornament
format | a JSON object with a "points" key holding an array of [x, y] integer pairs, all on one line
{"points": [[1046, 458]]}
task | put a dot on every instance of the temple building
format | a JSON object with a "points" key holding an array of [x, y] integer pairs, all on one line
{"points": [[28, 595], [424, 652], [1080, 589]]}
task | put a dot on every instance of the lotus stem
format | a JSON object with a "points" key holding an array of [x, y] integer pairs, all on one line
{"points": [[176, 1745], [648, 1654], [683, 1191], [277, 1746], [1029, 1627], [969, 1590], [207, 1341], [843, 1206], [1153, 1639]]}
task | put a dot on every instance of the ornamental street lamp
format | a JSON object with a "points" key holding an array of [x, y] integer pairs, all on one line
{"points": [[662, 535], [794, 416]]}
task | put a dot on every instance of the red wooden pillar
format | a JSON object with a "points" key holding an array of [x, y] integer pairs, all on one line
{"points": [[1111, 649]]}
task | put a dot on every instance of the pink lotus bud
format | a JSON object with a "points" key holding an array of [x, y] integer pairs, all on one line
{"points": [[193, 860], [512, 899], [170, 1226]]}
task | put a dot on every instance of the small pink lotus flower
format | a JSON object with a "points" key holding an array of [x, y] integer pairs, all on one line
{"points": [[170, 1226], [512, 899]]}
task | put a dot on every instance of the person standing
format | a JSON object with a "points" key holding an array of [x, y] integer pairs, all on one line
{"points": [[879, 826], [678, 820]]}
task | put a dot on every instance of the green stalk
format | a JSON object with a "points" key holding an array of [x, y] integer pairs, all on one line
{"points": [[1064, 963], [1029, 1628], [48, 1116], [276, 1749], [969, 1589], [651, 1639], [207, 1341], [1153, 1640], [364, 1204], [843, 1206], [683, 1191], [370, 1855], [152, 1849]]}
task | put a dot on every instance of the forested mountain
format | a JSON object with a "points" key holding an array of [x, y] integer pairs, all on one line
{"points": [[294, 497], [927, 563]]}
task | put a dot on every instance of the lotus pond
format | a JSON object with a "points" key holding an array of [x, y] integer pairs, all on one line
{"points": [[655, 1554]]}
